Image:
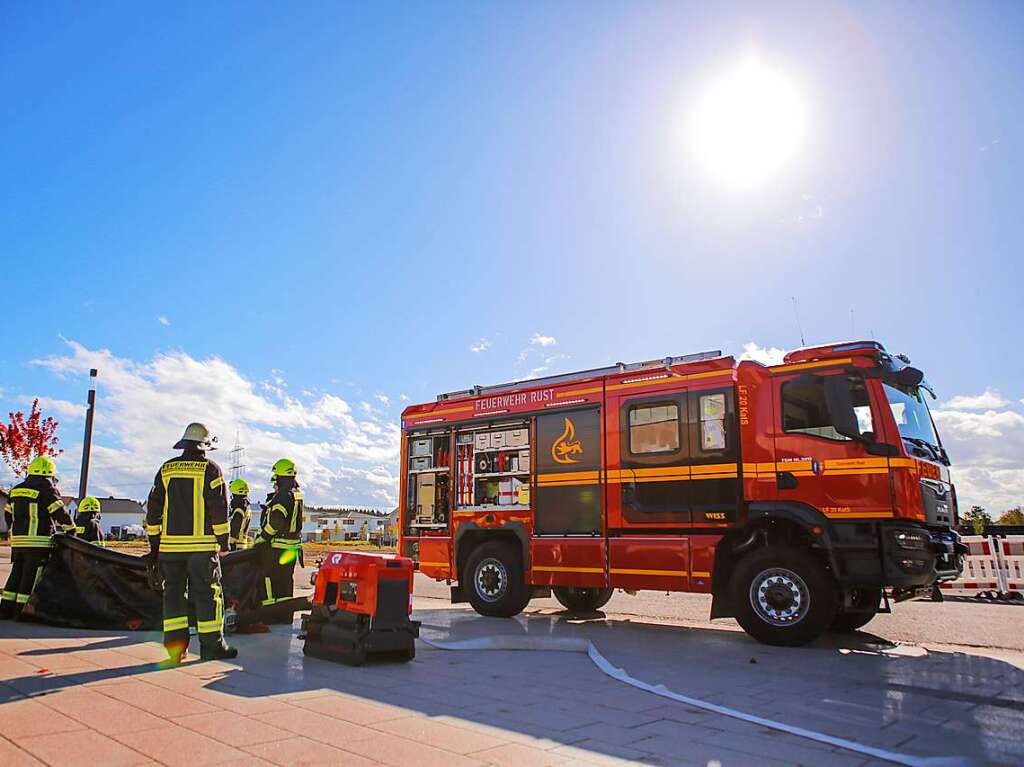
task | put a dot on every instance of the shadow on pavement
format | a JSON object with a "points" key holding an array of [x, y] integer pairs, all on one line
{"points": [[854, 686]]}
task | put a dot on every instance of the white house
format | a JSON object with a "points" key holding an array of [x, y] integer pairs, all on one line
{"points": [[117, 515]]}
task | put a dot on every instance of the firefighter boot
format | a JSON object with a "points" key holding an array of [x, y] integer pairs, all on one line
{"points": [[217, 651]]}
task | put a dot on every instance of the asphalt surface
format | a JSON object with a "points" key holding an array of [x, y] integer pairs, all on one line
{"points": [[957, 621]]}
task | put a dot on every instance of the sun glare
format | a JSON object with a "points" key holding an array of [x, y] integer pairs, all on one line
{"points": [[748, 125]]}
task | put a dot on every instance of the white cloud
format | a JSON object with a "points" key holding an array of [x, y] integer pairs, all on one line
{"points": [[987, 400], [383, 399], [987, 452], [766, 355], [163, 321], [143, 407], [60, 409], [480, 346], [537, 339]]}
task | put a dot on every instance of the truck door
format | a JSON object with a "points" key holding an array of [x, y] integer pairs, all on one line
{"points": [[649, 491], [817, 465]]}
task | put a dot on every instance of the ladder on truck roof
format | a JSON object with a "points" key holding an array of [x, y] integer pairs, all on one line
{"points": [[617, 368]]}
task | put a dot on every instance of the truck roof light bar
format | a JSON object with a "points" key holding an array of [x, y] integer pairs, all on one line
{"points": [[859, 345], [617, 368]]}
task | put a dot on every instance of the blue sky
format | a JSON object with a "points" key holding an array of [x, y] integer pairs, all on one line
{"points": [[334, 203]]}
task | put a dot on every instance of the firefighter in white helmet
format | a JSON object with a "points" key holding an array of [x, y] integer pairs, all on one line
{"points": [[187, 525]]}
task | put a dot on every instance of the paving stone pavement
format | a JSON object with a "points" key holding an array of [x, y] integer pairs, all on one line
{"points": [[77, 697]]}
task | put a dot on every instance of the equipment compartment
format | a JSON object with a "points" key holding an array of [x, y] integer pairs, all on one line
{"points": [[492, 466], [428, 485]]}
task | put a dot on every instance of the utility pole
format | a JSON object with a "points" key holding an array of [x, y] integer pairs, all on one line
{"points": [[83, 479]]}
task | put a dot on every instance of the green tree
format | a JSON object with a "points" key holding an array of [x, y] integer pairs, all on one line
{"points": [[1012, 516], [977, 518]]}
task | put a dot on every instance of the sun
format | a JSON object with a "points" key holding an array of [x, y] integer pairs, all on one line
{"points": [[748, 125]]}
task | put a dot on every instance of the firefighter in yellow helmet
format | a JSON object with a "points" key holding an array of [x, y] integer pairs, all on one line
{"points": [[34, 512], [239, 514], [280, 538], [187, 525], [87, 520]]}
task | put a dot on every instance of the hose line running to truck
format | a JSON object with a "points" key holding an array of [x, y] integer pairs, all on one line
{"points": [[569, 644]]}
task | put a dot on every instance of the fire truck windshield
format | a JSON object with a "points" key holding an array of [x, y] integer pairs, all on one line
{"points": [[910, 411]]}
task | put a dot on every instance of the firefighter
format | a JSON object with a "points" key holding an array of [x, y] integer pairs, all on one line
{"points": [[240, 515], [187, 525], [87, 521], [279, 536], [35, 511]]}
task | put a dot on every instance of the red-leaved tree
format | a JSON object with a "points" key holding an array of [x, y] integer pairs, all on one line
{"points": [[25, 438]]}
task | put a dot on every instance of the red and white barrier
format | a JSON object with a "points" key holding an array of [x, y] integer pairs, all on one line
{"points": [[981, 567], [1011, 558], [992, 564]]}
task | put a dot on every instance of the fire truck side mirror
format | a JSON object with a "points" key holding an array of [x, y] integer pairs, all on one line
{"points": [[840, 407]]}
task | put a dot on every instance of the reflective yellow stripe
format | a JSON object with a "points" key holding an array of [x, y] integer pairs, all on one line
{"points": [[22, 599], [189, 538], [665, 573], [285, 543], [269, 530], [176, 624], [179, 548], [807, 365], [24, 492], [153, 529], [9, 596], [30, 541], [58, 504], [270, 592], [553, 569], [68, 528], [216, 483], [33, 519], [208, 627], [220, 529]]}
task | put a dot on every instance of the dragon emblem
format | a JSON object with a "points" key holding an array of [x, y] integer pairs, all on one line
{"points": [[567, 449]]}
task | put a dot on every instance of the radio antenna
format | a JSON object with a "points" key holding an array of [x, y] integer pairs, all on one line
{"points": [[799, 327]]}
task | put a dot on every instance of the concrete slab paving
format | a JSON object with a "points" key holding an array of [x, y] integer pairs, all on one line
{"points": [[105, 691]]}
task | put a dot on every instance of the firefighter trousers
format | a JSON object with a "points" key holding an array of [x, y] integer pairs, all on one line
{"points": [[278, 576], [26, 570], [192, 578]]}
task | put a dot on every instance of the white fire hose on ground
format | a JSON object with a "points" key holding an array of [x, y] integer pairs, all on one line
{"points": [[570, 644]]}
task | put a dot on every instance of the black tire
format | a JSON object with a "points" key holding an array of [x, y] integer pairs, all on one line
{"points": [[783, 596], [494, 580], [582, 599], [866, 603]]}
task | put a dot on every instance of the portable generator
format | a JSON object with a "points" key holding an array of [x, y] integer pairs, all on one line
{"points": [[361, 608]]}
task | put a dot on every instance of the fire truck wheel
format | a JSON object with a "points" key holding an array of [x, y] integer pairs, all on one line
{"points": [[866, 602], [496, 586], [783, 596], [580, 599]]}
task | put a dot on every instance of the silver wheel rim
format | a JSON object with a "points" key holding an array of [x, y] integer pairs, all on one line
{"points": [[491, 580], [780, 597]]}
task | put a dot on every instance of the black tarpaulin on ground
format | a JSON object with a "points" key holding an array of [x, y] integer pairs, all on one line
{"points": [[86, 586]]}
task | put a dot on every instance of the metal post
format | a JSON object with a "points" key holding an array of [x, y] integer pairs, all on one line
{"points": [[83, 480]]}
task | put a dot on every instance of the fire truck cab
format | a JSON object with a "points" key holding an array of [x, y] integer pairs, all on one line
{"points": [[803, 496]]}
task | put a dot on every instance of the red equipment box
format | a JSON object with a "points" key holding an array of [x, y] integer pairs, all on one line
{"points": [[361, 607]]}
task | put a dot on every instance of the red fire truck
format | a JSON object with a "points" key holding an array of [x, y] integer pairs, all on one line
{"points": [[803, 496]]}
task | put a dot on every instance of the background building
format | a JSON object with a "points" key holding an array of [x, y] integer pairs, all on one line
{"points": [[119, 517]]}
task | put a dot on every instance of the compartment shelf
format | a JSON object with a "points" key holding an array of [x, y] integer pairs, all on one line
{"points": [[491, 475], [430, 471], [500, 449], [492, 507]]}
